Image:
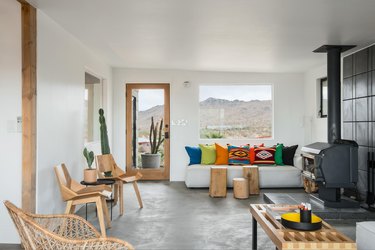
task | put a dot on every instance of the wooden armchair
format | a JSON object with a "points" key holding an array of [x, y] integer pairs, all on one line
{"points": [[65, 231], [74, 194], [105, 163]]}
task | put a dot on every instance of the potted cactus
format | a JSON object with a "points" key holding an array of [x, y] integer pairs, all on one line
{"points": [[104, 139], [156, 137], [89, 174]]}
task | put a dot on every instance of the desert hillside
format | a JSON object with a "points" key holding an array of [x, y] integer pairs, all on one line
{"points": [[220, 118]]}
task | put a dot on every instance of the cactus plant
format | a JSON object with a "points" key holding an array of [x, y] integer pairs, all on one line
{"points": [[103, 134], [89, 155], [155, 136], [104, 138]]}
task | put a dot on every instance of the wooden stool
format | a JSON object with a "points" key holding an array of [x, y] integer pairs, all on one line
{"points": [[218, 182], [240, 188], [251, 173]]}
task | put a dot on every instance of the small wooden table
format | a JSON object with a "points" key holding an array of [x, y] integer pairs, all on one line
{"points": [[240, 188], [101, 182], [251, 173], [218, 182], [288, 239]]}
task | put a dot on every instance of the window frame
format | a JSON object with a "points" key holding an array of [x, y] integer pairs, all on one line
{"points": [[272, 137], [321, 81]]}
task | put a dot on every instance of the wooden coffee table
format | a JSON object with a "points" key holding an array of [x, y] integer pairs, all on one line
{"points": [[284, 238]]}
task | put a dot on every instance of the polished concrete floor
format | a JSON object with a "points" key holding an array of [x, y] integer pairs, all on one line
{"points": [[175, 217]]}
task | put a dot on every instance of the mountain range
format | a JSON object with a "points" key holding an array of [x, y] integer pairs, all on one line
{"points": [[224, 118]]}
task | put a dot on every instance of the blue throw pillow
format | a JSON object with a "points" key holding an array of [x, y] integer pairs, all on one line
{"points": [[195, 154]]}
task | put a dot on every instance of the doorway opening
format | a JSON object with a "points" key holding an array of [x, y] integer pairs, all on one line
{"points": [[147, 126]]}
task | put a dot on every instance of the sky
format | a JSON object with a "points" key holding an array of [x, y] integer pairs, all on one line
{"points": [[149, 98], [236, 92]]}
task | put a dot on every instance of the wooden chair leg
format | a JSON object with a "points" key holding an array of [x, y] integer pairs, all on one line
{"points": [[70, 208], [115, 197], [106, 214], [121, 194], [135, 185], [99, 207]]}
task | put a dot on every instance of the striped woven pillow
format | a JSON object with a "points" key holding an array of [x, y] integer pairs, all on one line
{"points": [[238, 155]]}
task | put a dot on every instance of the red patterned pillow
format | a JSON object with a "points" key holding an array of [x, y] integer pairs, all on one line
{"points": [[264, 155]]}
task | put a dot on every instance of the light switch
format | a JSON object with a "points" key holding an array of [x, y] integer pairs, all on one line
{"points": [[19, 124]]}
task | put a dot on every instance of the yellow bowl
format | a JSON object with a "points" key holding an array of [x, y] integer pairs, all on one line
{"points": [[293, 221]]}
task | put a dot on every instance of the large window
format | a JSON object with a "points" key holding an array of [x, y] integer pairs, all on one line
{"points": [[236, 111]]}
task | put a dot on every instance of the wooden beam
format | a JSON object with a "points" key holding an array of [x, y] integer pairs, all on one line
{"points": [[28, 22]]}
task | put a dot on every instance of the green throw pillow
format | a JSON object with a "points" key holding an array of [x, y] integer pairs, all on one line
{"points": [[279, 155], [208, 154]]}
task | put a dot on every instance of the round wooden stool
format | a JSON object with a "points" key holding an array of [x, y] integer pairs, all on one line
{"points": [[240, 188]]}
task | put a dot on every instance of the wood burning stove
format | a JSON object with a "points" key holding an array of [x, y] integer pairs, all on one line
{"points": [[332, 167], [334, 164]]}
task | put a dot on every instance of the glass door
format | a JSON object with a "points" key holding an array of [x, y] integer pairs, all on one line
{"points": [[147, 130]]}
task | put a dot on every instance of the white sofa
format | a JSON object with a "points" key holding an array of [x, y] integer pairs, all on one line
{"points": [[365, 234], [198, 176]]}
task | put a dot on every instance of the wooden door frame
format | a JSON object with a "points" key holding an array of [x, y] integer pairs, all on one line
{"points": [[148, 174]]}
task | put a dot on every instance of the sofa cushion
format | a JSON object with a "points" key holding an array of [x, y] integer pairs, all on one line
{"points": [[198, 176], [238, 155], [221, 155], [279, 154], [252, 154], [195, 154], [208, 154], [288, 154], [279, 177], [264, 155]]}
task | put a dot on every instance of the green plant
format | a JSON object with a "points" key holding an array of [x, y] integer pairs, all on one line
{"points": [[104, 138], [89, 155], [213, 135], [103, 134], [156, 137]]}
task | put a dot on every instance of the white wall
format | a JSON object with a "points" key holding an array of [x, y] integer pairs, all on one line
{"points": [[10, 103], [62, 61], [315, 127], [288, 108]]}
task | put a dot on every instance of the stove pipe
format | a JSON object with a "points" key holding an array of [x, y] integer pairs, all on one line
{"points": [[334, 88]]}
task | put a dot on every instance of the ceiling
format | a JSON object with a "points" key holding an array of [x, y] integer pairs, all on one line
{"points": [[218, 35]]}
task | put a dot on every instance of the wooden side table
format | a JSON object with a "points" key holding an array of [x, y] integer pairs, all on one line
{"points": [[251, 173], [101, 182], [240, 188], [218, 182]]}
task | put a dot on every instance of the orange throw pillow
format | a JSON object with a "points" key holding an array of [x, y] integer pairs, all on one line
{"points": [[252, 153], [221, 155]]}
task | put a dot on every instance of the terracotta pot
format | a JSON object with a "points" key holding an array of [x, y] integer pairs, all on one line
{"points": [[89, 175]]}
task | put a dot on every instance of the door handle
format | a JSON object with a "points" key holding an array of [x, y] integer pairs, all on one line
{"points": [[166, 133]]}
